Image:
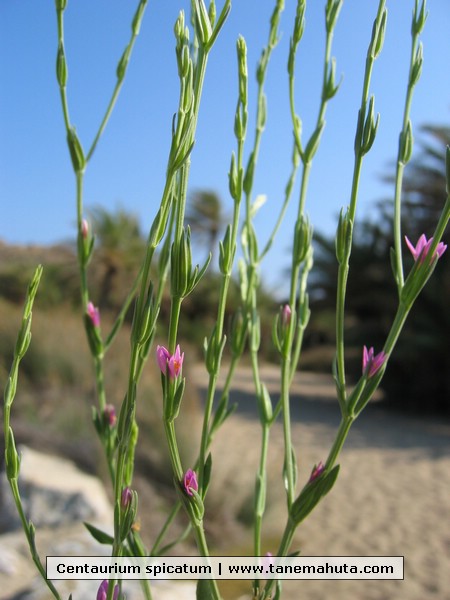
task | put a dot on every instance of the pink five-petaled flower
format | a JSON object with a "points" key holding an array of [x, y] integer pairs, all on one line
{"points": [[421, 249], [371, 362], [175, 362], [102, 593], [171, 363], [94, 314], [190, 482], [317, 471]]}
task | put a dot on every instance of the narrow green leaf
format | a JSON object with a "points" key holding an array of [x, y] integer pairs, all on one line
{"points": [[100, 536], [205, 590]]}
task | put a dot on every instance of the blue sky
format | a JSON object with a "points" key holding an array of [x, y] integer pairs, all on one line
{"points": [[37, 202]]}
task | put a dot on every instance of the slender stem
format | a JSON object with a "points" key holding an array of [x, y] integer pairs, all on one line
{"points": [[119, 82], [171, 437], [260, 495], [30, 538], [403, 158], [155, 551], [288, 449]]}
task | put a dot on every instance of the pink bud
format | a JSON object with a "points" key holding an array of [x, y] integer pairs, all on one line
{"points": [[190, 482], [267, 562], [84, 228], [162, 357], [109, 415], [126, 498], [102, 593], [286, 315], [93, 314], [317, 471]]}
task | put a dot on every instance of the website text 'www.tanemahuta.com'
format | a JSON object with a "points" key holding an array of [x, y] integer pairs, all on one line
{"points": [[225, 567]]}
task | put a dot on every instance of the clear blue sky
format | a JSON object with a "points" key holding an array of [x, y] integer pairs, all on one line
{"points": [[37, 203]]}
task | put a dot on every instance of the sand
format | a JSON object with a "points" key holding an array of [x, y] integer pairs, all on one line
{"points": [[392, 496]]}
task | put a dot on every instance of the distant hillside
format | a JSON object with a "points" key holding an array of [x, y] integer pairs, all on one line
{"points": [[17, 264]]}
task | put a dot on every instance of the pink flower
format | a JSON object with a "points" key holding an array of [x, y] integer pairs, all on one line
{"points": [[190, 482], [286, 315], [371, 362], [175, 362], [102, 593], [109, 415], [93, 314], [317, 471], [126, 498], [84, 228], [162, 356], [267, 562], [420, 250]]}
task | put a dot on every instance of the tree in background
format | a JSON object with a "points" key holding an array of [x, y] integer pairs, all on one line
{"points": [[417, 377], [119, 250], [205, 218]]}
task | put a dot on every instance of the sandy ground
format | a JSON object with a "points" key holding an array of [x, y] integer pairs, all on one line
{"points": [[392, 496]]}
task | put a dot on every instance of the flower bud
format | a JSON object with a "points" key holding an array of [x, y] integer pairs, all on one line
{"points": [[94, 314], [313, 143], [126, 498], [242, 69], [406, 144], [137, 19], [92, 325], [109, 415], [416, 70], [128, 509], [12, 461], [316, 472], [181, 265], [420, 16], [302, 240], [286, 314], [102, 592], [238, 333], [366, 129], [331, 88], [76, 151], [344, 238], [61, 66], [190, 482], [332, 12], [203, 27], [378, 32], [123, 63]]}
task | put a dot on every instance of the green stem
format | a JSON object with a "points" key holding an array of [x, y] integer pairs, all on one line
{"points": [[260, 496], [119, 83], [169, 428], [341, 436], [401, 162], [30, 538]]}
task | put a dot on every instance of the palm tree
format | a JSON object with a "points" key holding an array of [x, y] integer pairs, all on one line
{"points": [[205, 217], [417, 377], [119, 254]]}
